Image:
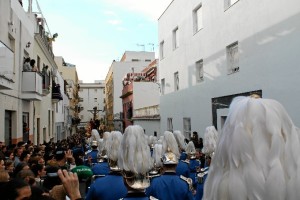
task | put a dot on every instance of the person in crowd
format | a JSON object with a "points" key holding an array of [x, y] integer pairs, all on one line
{"points": [[9, 154], [17, 189], [4, 178], [3, 149], [200, 143], [71, 184], [37, 192], [26, 65], [195, 139], [2, 166], [111, 186], [63, 159], [169, 185], [134, 160], [33, 66], [9, 167], [39, 173], [17, 153], [25, 156], [20, 166], [257, 154]]}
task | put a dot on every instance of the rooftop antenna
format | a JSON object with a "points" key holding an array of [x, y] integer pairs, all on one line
{"points": [[141, 45], [151, 45]]}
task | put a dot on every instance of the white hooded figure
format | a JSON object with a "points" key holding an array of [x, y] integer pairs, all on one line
{"points": [[257, 154], [210, 140]]}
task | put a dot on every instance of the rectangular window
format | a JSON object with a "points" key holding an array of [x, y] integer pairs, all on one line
{"points": [[163, 85], [170, 124], [175, 38], [232, 53], [199, 71], [176, 81], [95, 99], [161, 48], [228, 3], [197, 18], [187, 127]]}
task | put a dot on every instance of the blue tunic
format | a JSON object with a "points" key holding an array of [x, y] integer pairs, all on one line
{"points": [[169, 186], [194, 164], [183, 156], [101, 168], [94, 155], [110, 187], [183, 169], [136, 196], [200, 187]]}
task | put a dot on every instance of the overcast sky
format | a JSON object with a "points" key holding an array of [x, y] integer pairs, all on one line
{"points": [[93, 33]]}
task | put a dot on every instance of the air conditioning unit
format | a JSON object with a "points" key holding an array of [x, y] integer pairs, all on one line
{"points": [[12, 31]]}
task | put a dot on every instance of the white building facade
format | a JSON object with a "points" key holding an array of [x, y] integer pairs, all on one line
{"points": [[92, 95], [217, 50], [131, 61]]}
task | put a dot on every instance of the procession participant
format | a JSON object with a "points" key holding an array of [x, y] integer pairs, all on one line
{"points": [[134, 160], [157, 162], [102, 166], [111, 186], [182, 167], [209, 147], [257, 154], [92, 156], [169, 185], [181, 144], [193, 163]]}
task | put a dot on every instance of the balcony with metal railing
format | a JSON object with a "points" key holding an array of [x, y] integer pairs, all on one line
{"points": [[56, 93], [32, 86]]}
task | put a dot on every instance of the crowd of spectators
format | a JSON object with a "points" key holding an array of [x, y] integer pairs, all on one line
{"points": [[29, 171]]}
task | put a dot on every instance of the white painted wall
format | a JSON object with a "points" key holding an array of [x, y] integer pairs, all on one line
{"points": [[23, 31], [149, 126], [120, 69], [269, 48], [90, 91], [145, 94]]}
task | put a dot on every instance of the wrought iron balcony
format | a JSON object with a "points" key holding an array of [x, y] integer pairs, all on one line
{"points": [[56, 94]]}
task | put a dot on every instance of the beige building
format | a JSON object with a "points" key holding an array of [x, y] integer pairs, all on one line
{"points": [[69, 73], [131, 61]]}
